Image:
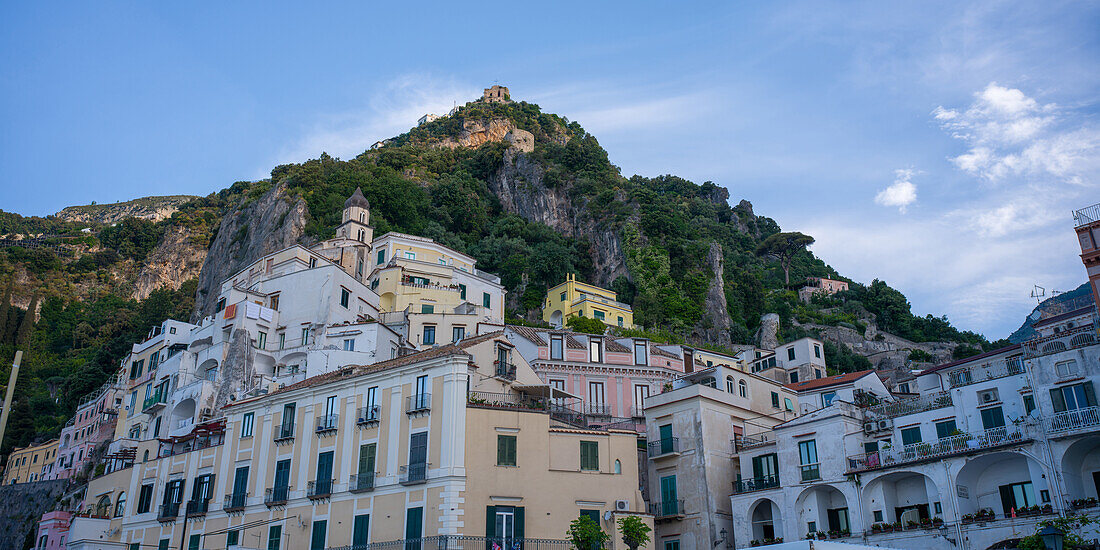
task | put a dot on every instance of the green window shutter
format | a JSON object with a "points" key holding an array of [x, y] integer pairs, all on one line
{"points": [[135, 546], [360, 530], [193, 544], [462, 291], [366, 458], [1058, 400], [274, 537], [490, 521], [519, 530], [163, 544], [486, 300], [318, 539], [506, 450], [232, 537], [1090, 394]]}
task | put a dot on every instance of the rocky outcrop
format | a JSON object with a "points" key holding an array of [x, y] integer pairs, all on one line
{"points": [[767, 336], [714, 327], [175, 260], [273, 222], [149, 208], [238, 370], [21, 505], [476, 133]]}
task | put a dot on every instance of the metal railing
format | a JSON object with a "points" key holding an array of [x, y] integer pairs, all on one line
{"points": [[369, 414], [667, 508], [169, 512], [198, 507], [1086, 215], [328, 423], [951, 445], [665, 446], [321, 488], [755, 484], [505, 400], [413, 474], [235, 501], [637, 412], [284, 432], [276, 496], [973, 375], [506, 371], [599, 409], [914, 405], [810, 472], [157, 400], [1075, 420], [1073, 338], [359, 483], [462, 542], [743, 442], [418, 402]]}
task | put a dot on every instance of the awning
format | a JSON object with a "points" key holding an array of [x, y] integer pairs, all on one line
{"points": [[543, 390]]}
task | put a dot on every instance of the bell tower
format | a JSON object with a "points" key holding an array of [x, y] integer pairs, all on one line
{"points": [[356, 220]]}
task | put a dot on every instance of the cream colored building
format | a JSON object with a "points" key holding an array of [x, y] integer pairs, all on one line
{"points": [[33, 463], [577, 299], [448, 442]]}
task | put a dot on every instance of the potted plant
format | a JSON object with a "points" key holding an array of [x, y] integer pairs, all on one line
{"points": [[937, 521], [845, 533], [1048, 509], [967, 518], [585, 533], [897, 526], [755, 542], [911, 524], [634, 531], [876, 527]]}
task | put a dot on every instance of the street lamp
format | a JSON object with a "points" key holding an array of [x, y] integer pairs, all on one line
{"points": [[1052, 537]]}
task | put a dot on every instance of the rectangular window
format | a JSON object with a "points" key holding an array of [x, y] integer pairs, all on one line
{"points": [[790, 354], [261, 340], [461, 291], [312, 263], [562, 297], [360, 530], [274, 301], [145, 498], [1029, 403], [282, 340], [775, 400], [641, 392], [599, 315], [765, 468], [807, 456], [1064, 369], [556, 345], [1016, 496], [903, 387], [317, 541], [246, 424], [672, 545], [429, 334], [232, 538], [414, 526], [595, 393], [817, 351], [827, 398], [381, 257], [877, 515], [788, 404], [946, 428], [641, 356], [274, 537], [590, 456], [287, 428], [909, 436], [992, 417], [163, 544], [486, 300], [410, 255], [193, 542], [427, 308], [794, 377], [595, 352], [349, 344], [345, 297], [817, 373], [154, 360], [458, 334], [305, 336], [669, 499], [506, 450], [1069, 398]]}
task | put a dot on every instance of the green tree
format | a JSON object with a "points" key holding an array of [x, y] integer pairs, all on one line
{"points": [[586, 325], [5, 305], [634, 531], [783, 247], [585, 533]]}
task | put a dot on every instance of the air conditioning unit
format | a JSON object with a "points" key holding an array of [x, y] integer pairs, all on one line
{"points": [[622, 505], [988, 396], [206, 412], [868, 427], [884, 425]]}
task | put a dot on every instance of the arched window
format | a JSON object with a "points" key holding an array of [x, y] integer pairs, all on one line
{"points": [[120, 506], [618, 466], [729, 384], [743, 388], [103, 507], [145, 457]]}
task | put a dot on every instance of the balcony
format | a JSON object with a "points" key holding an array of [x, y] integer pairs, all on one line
{"points": [[414, 474], [506, 371], [892, 409], [319, 489], [755, 484], [669, 446], [810, 472], [949, 446], [637, 412], [420, 402], [974, 375], [361, 483], [284, 433], [369, 416], [667, 509], [1086, 215], [197, 508], [276, 496], [235, 502], [168, 512], [327, 424], [155, 402], [745, 442], [598, 409], [1074, 421], [1074, 338]]}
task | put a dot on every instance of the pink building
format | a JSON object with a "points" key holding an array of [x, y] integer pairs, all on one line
{"points": [[53, 529], [820, 285], [93, 423], [609, 377]]}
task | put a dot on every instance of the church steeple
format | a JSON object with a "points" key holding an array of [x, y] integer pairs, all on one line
{"points": [[356, 219]]}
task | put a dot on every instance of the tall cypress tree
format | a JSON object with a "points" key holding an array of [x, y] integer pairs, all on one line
{"points": [[22, 338], [5, 305]]}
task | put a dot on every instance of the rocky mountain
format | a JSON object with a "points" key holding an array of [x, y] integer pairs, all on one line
{"points": [[1060, 303], [146, 208]]}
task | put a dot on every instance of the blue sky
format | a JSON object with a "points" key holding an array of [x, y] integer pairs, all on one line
{"points": [[938, 146]]}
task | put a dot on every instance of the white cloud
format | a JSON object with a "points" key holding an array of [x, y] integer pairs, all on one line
{"points": [[901, 194]]}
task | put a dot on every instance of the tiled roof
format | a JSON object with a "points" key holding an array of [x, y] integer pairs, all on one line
{"points": [[654, 350], [1062, 317], [529, 333], [475, 340], [615, 347], [835, 380], [352, 371], [978, 357], [573, 343]]}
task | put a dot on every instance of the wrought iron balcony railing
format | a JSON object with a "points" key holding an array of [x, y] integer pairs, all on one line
{"points": [[370, 414], [276, 496], [321, 488], [328, 423], [666, 509], [755, 484], [948, 446], [413, 474], [665, 446], [359, 483], [419, 402], [235, 502]]}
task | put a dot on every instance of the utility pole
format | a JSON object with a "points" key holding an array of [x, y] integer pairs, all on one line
{"points": [[8, 395]]}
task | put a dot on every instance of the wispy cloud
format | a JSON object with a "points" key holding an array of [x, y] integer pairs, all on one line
{"points": [[902, 193]]}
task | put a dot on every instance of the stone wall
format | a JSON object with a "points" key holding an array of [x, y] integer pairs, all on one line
{"points": [[21, 505]]}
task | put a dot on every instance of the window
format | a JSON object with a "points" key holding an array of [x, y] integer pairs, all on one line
{"points": [[486, 300], [807, 456], [775, 400], [618, 466], [765, 468], [120, 506], [461, 291], [261, 340], [135, 368], [221, 305], [349, 344], [729, 384], [381, 257], [345, 297], [193, 542], [232, 538], [562, 297], [672, 544], [154, 360], [410, 255], [910, 436], [992, 417], [429, 334], [427, 308], [246, 424], [599, 315], [414, 526], [595, 352], [317, 541], [305, 336], [360, 530], [1029, 403], [903, 387], [877, 514], [590, 456], [742, 388], [945, 428], [938, 507], [506, 450], [640, 353], [669, 499], [827, 398], [817, 373], [595, 393], [811, 527], [457, 334], [359, 266], [788, 404], [1016, 496], [1064, 369], [312, 263], [145, 498], [282, 340], [274, 537], [817, 351], [1069, 398], [556, 346], [794, 377], [790, 354]]}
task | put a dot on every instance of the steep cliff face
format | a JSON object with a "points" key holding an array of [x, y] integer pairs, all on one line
{"points": [[714, 327], [176, 259], [476, 133], [149, 208], [273, 222]]}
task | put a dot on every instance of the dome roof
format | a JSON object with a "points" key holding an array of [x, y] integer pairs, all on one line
{"points": [[357, 199]]}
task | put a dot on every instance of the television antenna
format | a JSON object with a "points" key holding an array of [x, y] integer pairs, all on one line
{"points": [[1038, 293]]}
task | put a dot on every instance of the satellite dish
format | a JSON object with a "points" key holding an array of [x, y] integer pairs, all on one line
{"points": [[607, 515]]}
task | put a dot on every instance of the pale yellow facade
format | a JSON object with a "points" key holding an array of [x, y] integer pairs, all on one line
{"points": [[577, 299], [30, 463]]}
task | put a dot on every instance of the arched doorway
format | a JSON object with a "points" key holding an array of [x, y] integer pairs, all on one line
{"points": [[1001, 482], [555, 318], [1081, 469], [766, 520], [901, 497], [823, 508]]}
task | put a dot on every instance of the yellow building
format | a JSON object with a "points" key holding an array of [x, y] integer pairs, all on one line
{"points": [[576, 299], [30, 463]]}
